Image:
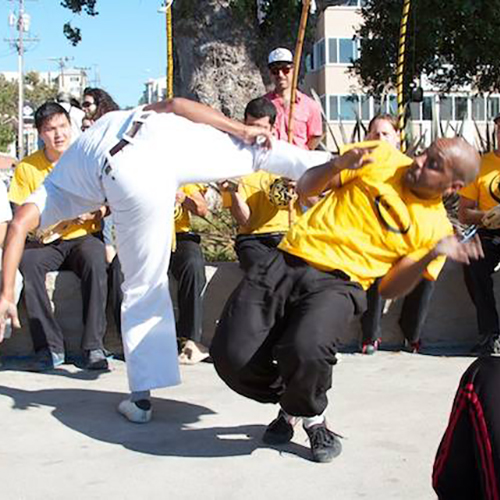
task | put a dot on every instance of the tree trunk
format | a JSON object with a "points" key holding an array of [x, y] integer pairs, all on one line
{"points": [[218, 57]]}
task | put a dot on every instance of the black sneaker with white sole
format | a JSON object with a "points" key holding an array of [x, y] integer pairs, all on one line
{"points": [[325, 444], [279, 431]]}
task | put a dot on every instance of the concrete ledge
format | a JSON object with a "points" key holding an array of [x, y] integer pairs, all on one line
{"points": [[451, 321]]}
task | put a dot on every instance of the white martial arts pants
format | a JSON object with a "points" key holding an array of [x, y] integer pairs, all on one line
{"points": [[140, 188]]}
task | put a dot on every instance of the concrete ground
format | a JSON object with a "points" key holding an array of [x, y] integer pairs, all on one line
{"points": [[61, 438]]}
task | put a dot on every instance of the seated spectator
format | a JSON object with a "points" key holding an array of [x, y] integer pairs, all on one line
{"points": [[416, 303], [187, 266], [479, 205], [76, 115], [467, 465], [5, 217], [69, 245], [97, 102], [307, 124], [262, 221]]}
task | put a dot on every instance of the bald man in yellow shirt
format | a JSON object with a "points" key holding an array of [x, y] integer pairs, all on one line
{"points": [[276, 340]]}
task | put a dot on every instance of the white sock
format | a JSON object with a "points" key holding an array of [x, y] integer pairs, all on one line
{"points": [[289, 418], [310, 421]]}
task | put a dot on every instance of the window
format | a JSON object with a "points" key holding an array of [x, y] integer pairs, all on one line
{"points": [[365, 107], [333, 111], [461, 108], [392, 105], [323, 102], [347, 48], [428, 108], [333, 57], [478, 108], [319, 56], [415, 111], [349, 108], [493, 107], [309, 66], [446, 108]]}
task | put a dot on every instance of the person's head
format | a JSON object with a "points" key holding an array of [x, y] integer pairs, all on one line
{"points": [[260, 112], [280, 63], [86, 123], [445, 167], [97, 102], [53, 124], [384, 127]]}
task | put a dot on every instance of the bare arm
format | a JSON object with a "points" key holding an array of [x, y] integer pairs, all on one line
{"points": [[239, 209], [468, 212], [3, 232], [407, 273], [26, 218], [319, 179], [313, 142], [194, 202], [200, 113]]}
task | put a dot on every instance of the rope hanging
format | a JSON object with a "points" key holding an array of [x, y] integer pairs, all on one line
{"points": [[400, 73], [170, 52]]}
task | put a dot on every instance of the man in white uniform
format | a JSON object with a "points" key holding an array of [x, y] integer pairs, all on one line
{"points": [[134, 161]]}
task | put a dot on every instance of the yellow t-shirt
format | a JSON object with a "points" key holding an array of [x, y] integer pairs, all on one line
{"points": [[371, 222], [265, 217], [28, 176], [182, 214], [485, 189]]}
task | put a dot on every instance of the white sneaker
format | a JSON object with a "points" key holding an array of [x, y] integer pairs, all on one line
{"points": [[133, 413]]}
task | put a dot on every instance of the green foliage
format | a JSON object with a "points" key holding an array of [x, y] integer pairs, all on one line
{"points": [[8, 110], [455, 42], [36, 93], [72, 33], [217, 231]]}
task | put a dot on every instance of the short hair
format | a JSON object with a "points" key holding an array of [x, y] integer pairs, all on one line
{"points": [[260, 108], [46, 111], [103, 101], [393, 121]]}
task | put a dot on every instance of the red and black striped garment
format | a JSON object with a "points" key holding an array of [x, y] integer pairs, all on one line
{"points": [[467, 465]]}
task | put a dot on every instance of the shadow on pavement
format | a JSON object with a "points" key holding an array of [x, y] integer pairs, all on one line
{"points": [[170, 433]]}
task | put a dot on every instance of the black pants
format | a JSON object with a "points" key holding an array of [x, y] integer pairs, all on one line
{"points": [[467, 464], [84, 256], [276, 340], [115, 293], [479, 282], [413, 314], [252, 248], [188, 268]]}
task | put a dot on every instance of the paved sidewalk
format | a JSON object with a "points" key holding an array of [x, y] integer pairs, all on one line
{"points": [[61, 438]]}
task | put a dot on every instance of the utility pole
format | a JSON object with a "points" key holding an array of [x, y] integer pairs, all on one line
{"points": [[61, 62], [20, 22]]}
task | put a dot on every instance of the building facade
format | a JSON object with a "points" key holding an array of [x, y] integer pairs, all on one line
{"points": [[344, 101]]}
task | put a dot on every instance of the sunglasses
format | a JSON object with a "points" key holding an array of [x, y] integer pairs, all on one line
{"points": [[87, 104], [283, 69]]}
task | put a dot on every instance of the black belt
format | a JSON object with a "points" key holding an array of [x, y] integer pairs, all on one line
{"points": [[136, 126], [297, 261]]}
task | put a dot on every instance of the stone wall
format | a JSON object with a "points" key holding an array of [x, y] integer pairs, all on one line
{"points": [[451, 321]]}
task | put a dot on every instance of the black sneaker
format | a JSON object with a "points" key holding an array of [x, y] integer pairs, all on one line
{"points": [[492, 346], [279, 431], [325, 444], [95, 359]]}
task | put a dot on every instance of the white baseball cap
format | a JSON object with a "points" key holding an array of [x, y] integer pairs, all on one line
{"points": [[280, 55]]}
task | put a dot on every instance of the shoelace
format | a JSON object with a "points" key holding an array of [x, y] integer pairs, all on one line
{"points": [[322, 436]]}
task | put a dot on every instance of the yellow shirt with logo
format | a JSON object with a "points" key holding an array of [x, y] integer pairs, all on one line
{"points": [[265, 217], [182, 214], [485, 189], [28, 176], [371, 222]]}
